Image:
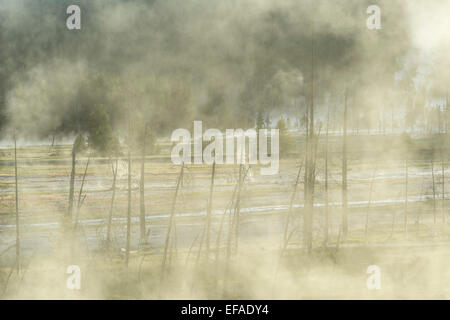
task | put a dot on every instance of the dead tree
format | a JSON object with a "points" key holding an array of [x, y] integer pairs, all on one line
{"points": [[80, 195], [171, 221], [209, 213], [233, 226], [17, 206], [287, 235], [142, 189], [434, 192], [237, 208], [291, 205], [207, 228], [406, 197], [326, 224], [443, 188], [228, 208], [309, 166], [127, 254], [344, 174], [77, 146], [232, 220], [113, 188], [72, 179], [229, 234]]}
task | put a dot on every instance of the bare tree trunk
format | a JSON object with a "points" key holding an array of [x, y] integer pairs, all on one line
{"points": [[207, 228], [17, 206], [310, 174], [127, 256], [232, 222], [291, 205], [208, 213], [233, 226], [171, 219], [80, 194], [219, 235], [237, 209], [141, 190], [443, 188], [344, 174], [326, 226], [72, 180], [406, 197], [108, 230], [434, 192], [305, 178]]}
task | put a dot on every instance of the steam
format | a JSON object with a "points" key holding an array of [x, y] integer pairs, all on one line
{"points": [[227, 55]]}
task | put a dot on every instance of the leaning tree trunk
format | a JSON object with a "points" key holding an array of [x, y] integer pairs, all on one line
{"points": [[233, 226], [108, 230], [80, 195], [142, 189], [72, 179], [209, 211], [237, 209], [171, 222], [289, 215], [17, 207]]}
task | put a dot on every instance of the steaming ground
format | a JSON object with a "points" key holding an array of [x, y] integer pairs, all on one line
{"points": [[232, 64], [412, 265]]}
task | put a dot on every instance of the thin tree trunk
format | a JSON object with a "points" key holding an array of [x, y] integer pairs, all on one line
{"points": [[291, 205], [237, 209], [219, 235], [141, 190], [72, 180], [17, 206], [127, 257], [305, 178], [443, 188], [406, 197], [171, 219], [208, 213], [232, 226], [434, 192], [207, 228], [310, 174], [108, 230], [344, 174], [326, 227], [80, 194]]}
